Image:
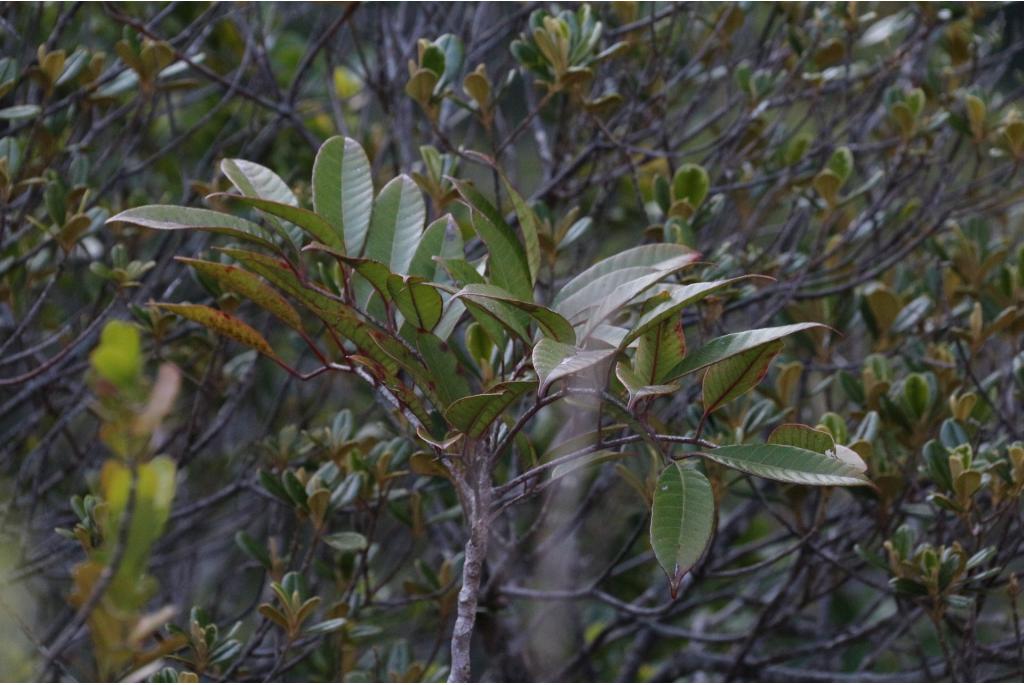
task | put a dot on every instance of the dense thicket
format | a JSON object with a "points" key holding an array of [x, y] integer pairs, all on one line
{"points": [[389, 369]]}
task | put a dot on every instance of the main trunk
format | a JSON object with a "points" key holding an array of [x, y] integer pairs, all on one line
{"points": [[472, 569]]}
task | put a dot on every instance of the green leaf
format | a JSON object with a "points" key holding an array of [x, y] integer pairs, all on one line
{"points": [[528, 227], [154, 492], [509, 267], [636, 387], [248, 285], [805, 437], [401, 393], [659, 350], [324, 627], [841, 163], [20, 112], [446, 378], [171, 218], [255, 180], [649, 256], [733, 344], [347, 541], [339, 316], [396, 224], [787, 464], [552, 324], [441, 239], [917, 395], [728, 379], [420, 304], [222, 323], [682, 521], [473, 415], [614, 299], [553, 360], [374, 272], [311, 223], [343, 190], [118, 357], [691, 183], [676, 297]]}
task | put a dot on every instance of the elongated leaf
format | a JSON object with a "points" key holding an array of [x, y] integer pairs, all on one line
{"points": [[508, 265], [682, 521], [446, 379], [250, 286], [648, 256], [346, 541], [734, 343], [787, 464], [343, 190], [489, 312], [396, 224], [340, 317], [553, 360], [676, 298], [799, 435], [728, 379], [575, 305], [374, 272], [154, 493], [474, 414], [420, 304], [527, 227], [552, 324], [402, 394], [441, 239], [625, 294], [222, 323], [311, 223], [660, 349], [255, 180], [171, 218], [636, 387]]}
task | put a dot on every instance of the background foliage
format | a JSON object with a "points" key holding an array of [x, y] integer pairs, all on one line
{"points": [[867, 158]]}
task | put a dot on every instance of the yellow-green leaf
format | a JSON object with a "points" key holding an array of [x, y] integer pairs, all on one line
{"points": [[248, 285], [222, 323]]}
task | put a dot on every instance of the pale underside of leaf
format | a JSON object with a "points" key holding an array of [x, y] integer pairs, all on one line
{"points": [[172, 218], [313, 224], [553, 360], [734, 343], [396, 224], [343, 190], [642, 256]]}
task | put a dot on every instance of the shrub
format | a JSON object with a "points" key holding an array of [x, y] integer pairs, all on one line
{"points": [[652, 269]]}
